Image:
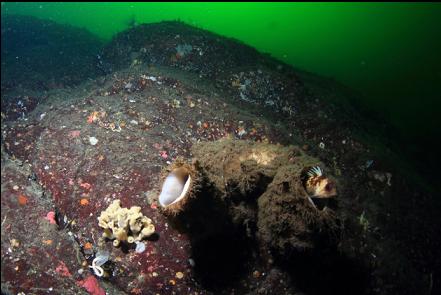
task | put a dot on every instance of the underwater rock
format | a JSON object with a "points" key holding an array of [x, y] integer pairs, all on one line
{"points": [[251, 199], [204, 52], [238, 165], [36, 257], [225, 223], [49, 53], [287, 221], [262, 186]]}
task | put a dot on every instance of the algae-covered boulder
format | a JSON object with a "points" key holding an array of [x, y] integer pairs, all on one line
{"points": [[261, 187], [287, 220], [238, 167]]}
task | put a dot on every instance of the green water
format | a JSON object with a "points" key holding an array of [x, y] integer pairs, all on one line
{"points": [[389, 52]]}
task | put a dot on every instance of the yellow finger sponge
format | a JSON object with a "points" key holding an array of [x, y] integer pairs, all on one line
{"points": [[125, 225]]}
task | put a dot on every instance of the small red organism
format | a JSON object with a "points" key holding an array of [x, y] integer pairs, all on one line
{"points": [[91, 285], [74, 133], [51, 217], [86, 185], [22, 200], [63, 270]]}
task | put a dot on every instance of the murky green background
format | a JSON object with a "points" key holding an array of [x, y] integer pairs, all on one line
{"points": [[389, 52]]}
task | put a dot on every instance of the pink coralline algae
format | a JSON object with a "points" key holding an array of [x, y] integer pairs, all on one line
{"points": [[63, 270], [51, 217], [74, 133], [85, 185], [92, 286]]}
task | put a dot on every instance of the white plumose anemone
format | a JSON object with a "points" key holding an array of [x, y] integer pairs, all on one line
{"points": [[176, 189], [173, 190]]}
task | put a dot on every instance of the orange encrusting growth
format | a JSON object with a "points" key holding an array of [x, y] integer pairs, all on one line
{"points": [[22, 200], [84, 202]]}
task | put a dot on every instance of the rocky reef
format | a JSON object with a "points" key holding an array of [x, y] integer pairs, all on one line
{"points": [[249, 127]]}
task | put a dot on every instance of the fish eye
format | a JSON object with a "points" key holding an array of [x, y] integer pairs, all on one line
{"points": [[328, 187]]}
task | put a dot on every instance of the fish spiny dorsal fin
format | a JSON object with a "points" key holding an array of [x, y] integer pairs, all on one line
{"points": [[315, 171]]}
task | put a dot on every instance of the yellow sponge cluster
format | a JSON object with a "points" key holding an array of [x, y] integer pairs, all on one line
{"points": [[123, 224]]}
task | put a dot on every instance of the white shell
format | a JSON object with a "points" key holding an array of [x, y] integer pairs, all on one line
{"points": [[93, 140], [173, 190], [101, 257], [140, 247]]}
